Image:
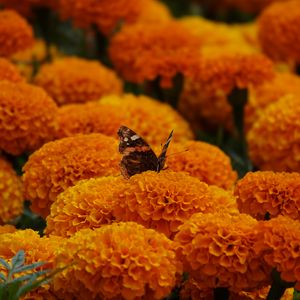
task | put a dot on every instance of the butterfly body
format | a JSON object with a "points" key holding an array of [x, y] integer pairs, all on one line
{"points": [[138, 156]]}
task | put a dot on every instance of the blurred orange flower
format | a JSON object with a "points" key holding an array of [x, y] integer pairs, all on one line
{"points": [[156, 50], [60, 164], [119, 261], [151, 119], [11, 193], [265, 192], [9, 72], [7, 229], [27, 117], [87, 204], [279, 31], [217, 251], [280, 120], [165, 200], [15, 33], [73, 79], [202, 160]]}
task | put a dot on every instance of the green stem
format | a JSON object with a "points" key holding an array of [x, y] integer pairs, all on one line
{"points": [[221, 293]]}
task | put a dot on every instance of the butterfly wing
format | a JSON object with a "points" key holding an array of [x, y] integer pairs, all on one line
{"points": [[162, 157], [138, 156]]}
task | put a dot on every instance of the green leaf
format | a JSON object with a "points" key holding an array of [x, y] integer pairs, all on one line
{"points": [[2, 277], [5, 264], [296, 295], [28, 267], [18, 260]]}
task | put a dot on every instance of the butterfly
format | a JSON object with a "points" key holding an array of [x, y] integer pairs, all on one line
{"points": [[138, 156]]}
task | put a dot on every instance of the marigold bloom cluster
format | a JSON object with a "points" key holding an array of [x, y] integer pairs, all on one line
{"points": [[120, 261], [15, 33], [204, 161], [9, 72], [205, 94], [164, 200], [91, 117], [7, 229], [105, 14], [270, 91], [159, 50], [279, 241], [25, 124], [279, 31], [151, 119], [217, 251], [87, 204], [11, 193], [60, 164], [73, 79], [280, 120], [265, 192]]}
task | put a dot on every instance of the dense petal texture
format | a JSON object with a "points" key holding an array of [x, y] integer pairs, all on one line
{"points": [[87, 204], [120, 261], [27, 117], [204, 161], [73, 80], [9, 72], [159, 50], [280, 120], [271, 193], [217, 251], [279, 241], [15, 33], [279, 31], [60, 164], [151, 119], [11, 192], [165, 200]]}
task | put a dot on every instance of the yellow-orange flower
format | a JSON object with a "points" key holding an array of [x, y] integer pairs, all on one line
{"points": [[60, 164], [72, 79], [91, 117], [165, 200], [191, 291], [273, 139], [119, 261], [7, 229], [27, 117], [279, 31], [265, 192], [156, 50], [11, 193], [204, 96], [204, 161], [15, 33], [151, 119], [9, 72], [262, 95], [217, 251], [87, 204], [279, 242], [105, 14]]}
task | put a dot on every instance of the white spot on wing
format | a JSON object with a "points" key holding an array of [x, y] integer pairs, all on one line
{"points": [[134, 137], [126, 139]]}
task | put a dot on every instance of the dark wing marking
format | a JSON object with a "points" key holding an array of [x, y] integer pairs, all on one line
{"points": [[162, 157]]}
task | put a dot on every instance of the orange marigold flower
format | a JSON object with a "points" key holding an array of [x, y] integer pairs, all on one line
{"points": [[105, 14], [279, 31], [265, 192], [191, 291], [73, 79], [157, 50], [217, 251], [27, 117], [87, 204], [279, 241], [91, 117], [271, 91], [151, 119], [165, 200], [207, 162], [7, 229], [120, 261], [205, 94], [60, 164], [16, 34], [280, 120], [9, 72], [11, 193]]}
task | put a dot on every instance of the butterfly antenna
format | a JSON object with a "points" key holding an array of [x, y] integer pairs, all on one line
{"points": [[187, 149]]}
